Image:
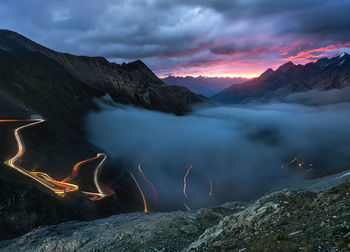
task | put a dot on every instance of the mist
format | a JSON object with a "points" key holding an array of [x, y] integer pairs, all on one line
{"points": [[236, 152]]}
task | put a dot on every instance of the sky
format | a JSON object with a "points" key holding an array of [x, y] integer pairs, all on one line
{"points": [[187, 37]]}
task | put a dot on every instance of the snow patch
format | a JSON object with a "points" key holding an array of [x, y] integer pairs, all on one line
{"points": [[342, 62]]}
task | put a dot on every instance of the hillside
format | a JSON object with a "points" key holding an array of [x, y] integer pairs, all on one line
{"points": [[132, 83], [62, 88], [312, 216]]}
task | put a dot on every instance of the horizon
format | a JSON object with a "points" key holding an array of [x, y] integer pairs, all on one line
{"points": [[253, 75], [215, 39]]}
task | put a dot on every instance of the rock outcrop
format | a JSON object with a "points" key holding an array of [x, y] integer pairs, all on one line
{"points": [[310, 216]]}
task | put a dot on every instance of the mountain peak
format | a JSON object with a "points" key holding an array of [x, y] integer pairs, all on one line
{"points": [[8, 32], [13, 41], [285, 67], [344, 54], [266, 74]]}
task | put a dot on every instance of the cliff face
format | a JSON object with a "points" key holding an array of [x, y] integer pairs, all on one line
{"points": [[44, 87], [325, 74], [311, 216], [132, 83]]}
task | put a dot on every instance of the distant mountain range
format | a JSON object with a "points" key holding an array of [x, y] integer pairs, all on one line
{"points": [[325, 74], [203, 85]]}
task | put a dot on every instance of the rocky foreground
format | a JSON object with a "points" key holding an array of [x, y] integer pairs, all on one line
{"points": [[311, 216]]}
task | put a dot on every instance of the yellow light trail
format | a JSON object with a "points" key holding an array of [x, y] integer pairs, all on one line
{"points": [[140, 170], [44, 179], [58, 187], [101, 194], [211, 188], [145, 207], [185, 180], [188, 209], [290, 162]]}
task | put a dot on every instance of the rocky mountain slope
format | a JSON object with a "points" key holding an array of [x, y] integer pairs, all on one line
{"points": [[38, 82], [310, 216], [132, 83], [325, 74]]}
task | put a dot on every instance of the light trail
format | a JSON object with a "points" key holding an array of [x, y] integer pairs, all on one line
{"points": [[145, 207], [44, 179], [58, 187], [290, 162], [301, 164], [153, 189], [188, 167], [188, 209], [185, 167], [344, 175], [101, 194], [211, 188], [77, 167], [148, 182], [140, 170]]}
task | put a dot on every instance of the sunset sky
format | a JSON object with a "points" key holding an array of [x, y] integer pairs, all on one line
{"points": [[187, 37]]}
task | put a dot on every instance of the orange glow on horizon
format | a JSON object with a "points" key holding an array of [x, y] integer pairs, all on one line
{"points": [[255, 66], [221, 75]]}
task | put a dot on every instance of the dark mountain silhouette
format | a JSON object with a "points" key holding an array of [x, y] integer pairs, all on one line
{"points": [[61, 88], [325, 74], [207, 86], [132, 83]]}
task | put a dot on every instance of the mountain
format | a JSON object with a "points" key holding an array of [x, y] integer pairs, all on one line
{"points": [[207, 86], [311, 216], [132, 83], [62, 88], [325, 74]]}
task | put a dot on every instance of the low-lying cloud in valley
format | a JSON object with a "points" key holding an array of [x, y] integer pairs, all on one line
{"points": [[240, 150]]}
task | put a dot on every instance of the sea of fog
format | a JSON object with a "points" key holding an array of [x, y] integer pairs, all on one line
{"points": [[235, 152]]}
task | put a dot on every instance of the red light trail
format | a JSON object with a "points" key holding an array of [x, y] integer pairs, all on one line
{"points": [[149, 183]]}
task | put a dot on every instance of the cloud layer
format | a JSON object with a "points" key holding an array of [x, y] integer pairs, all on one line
{"points": [[187, 37], [239, 149]]}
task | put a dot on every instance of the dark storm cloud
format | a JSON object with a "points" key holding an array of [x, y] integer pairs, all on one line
{"points": [[232, 49], [160, 31]]}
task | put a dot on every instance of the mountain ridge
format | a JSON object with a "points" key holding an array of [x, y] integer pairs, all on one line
{"points": [[132, 83], [207, 86], [324, 74]]}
